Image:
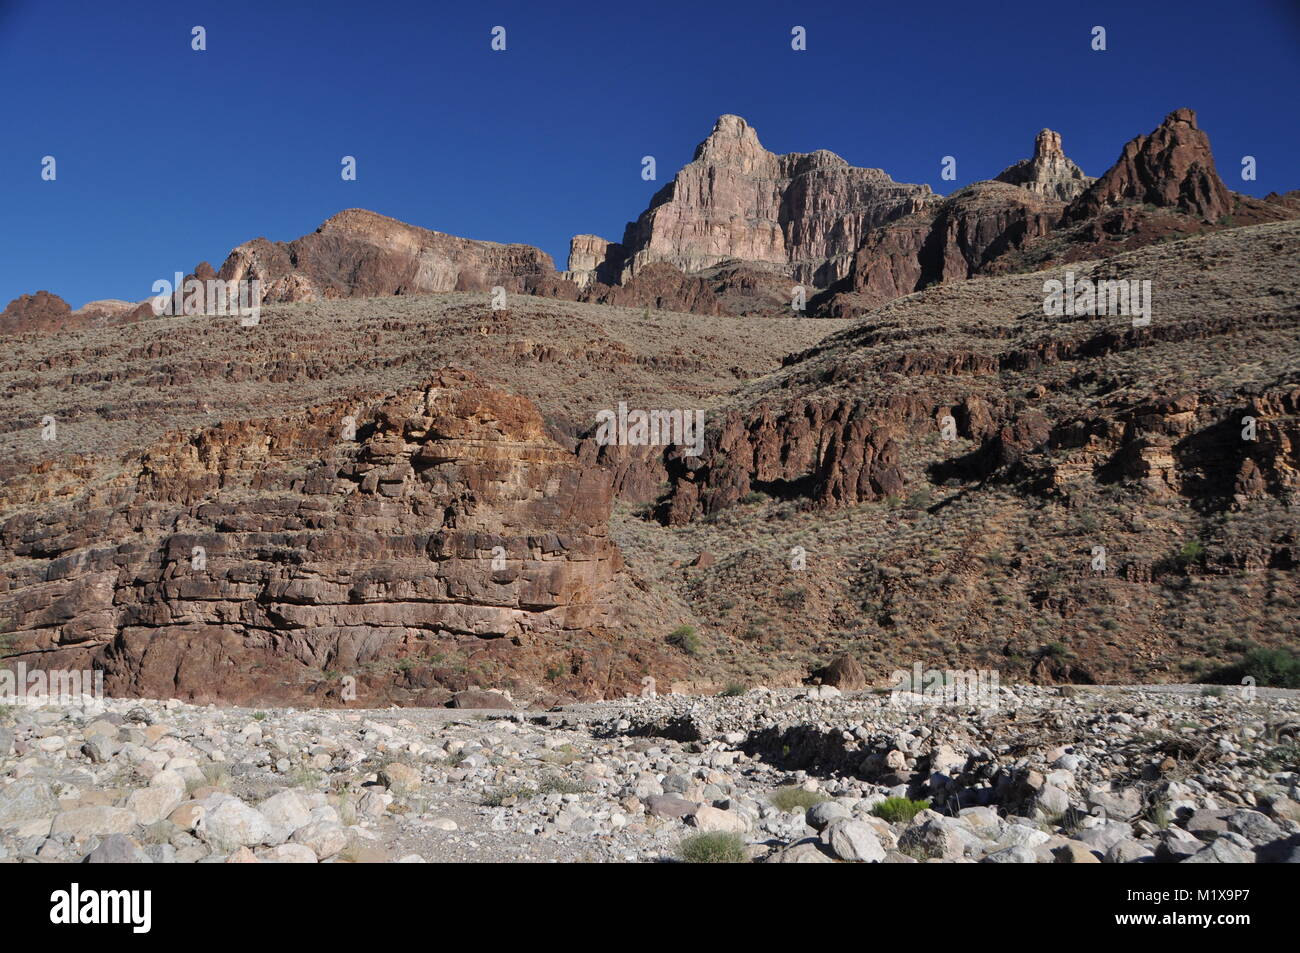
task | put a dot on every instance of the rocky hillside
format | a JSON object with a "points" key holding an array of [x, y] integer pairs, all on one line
{"points": [[463, 530], [1106, 502], [356, 511], [395, 480]]}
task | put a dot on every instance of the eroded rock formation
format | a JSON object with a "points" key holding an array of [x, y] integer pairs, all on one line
{"points": [[249, 559], [361, 254], [736, 200], [1049, 173], [959, 238], [1172, 167], [43, 313]]}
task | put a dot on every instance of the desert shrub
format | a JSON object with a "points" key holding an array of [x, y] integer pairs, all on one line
{"points": [[1272, 668], [899, 810], [733, 690], [1190, 553], [496, 797], [719, 847], [683, 637], [793, 598], [795, 798], [557, 784]]}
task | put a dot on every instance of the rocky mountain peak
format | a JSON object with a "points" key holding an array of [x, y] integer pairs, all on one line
{"points": [[805, 212], [1047, 145], [733, 141], [359, 220], [1049, 173], [1173, 167]]}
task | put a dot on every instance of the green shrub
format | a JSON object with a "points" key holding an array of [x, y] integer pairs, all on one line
{"points": [[556, 784], [899, 810], [793, 598], [719, 847], [1193, 552], [795, 798], [1271, 668], [734, 690], [496, 797], [683, 637]]}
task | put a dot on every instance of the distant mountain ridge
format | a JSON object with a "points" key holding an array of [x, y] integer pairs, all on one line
{"points": [[739, 227]]}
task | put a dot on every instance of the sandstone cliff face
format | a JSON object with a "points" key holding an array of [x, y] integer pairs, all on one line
{"points": [[1170, 168], [593, 259], [1049, 173], [450, 518], [361, 254], [736, 200]]}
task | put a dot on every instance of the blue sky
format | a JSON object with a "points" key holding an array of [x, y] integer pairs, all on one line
{"points": [[167, 157]]}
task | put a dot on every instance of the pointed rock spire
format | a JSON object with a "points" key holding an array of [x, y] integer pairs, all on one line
{"points": [[1173, 167], [1049, 173]]}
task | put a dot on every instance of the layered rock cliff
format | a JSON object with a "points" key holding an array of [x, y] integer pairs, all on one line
{"points": [[393, 540], [807, 212]]}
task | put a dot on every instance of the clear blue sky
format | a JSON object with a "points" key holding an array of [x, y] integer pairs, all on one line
{"points": [[167, 157]]}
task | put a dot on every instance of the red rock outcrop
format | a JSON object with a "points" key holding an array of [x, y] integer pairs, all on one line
{"points": [[833, 453], [45, 313], [249, 560], [42, 311], [659, 285], [361, 254], [959, 238], [1172, 167]]}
